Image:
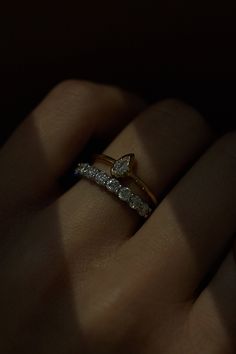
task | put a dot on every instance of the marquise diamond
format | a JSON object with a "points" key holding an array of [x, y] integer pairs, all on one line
{"points": [[122, 166]]}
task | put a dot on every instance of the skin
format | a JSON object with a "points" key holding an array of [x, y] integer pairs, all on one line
{"points": [[81, 272]]}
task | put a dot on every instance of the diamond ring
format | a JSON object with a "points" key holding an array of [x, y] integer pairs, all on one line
{"points": [[123, 167], [113, 185]]}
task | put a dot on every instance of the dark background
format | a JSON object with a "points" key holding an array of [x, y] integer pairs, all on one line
{"points": [[183, 49]]}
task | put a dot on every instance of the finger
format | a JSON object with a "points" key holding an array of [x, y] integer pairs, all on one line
{"points": [[187, 233], [165, 138], [213, 316], [47, 142]]}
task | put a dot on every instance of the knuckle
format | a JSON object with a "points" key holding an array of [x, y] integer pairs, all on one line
{"points": [[172, 104], [182, 112], [173, 119], [66, 101], [81, 92], [74, 88]]}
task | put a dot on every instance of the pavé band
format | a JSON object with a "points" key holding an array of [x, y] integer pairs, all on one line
{"points": [[113, 185]]}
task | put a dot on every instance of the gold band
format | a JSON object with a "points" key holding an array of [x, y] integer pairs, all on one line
{"points": [[123, 167]]}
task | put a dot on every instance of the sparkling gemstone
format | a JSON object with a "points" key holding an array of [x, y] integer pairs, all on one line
{"points": [[122, 166], [124, 193], [144, 210], [135, 202], [82, 168], [101, 178], [113, 185], [91, 172]]}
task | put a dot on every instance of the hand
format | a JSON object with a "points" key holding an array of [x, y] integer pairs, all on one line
{"points": [[80, 271]]}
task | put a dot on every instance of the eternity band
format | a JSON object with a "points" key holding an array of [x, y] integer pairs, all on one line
{"points": [[113, 185]]}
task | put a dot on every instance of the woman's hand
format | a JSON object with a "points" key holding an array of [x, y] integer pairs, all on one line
{"points": [[80, 271]]}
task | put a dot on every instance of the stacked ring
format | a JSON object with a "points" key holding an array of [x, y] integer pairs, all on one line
{"points": [[114, 186], [124, 167]]}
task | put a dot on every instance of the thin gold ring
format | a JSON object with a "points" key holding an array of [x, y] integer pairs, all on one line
{"points": [[123, 167]]}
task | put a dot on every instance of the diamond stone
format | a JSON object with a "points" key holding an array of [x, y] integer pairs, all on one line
{"points": [[113, 185], [81, 168], [122, 166], [124, 193], [135, 202], [91, 172], [101, 178], [144, 210]]}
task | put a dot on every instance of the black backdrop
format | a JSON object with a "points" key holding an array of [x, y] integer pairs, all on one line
{"points": [[183, 49]]}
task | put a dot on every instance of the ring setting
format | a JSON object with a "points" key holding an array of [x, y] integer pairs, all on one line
{"points": [[114, 186], [123, 166]]}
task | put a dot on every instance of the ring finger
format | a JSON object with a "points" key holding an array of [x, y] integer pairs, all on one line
{"points": [[165, 139]]}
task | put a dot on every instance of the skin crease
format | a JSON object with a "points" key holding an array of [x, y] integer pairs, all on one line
{"points": [[80, 271]]}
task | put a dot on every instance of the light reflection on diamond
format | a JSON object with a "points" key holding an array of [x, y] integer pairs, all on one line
{"points": [[91, 172], [121, 167], [81, 168], [124, 193], [101, 178], [113, 185], [135, 201]]}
